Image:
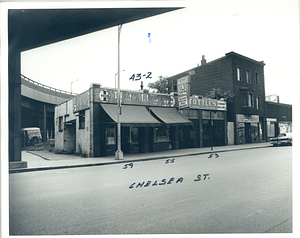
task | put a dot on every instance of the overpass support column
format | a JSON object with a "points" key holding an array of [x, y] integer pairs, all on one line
{"points": [[14, 109], [45, 124]]}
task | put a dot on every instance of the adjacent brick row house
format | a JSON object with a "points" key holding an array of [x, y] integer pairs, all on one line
{"points": [[244, 78]]}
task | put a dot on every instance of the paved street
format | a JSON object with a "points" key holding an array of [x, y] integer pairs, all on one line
{"points": [[246, 191]]}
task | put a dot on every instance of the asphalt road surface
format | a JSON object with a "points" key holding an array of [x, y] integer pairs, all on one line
{"points": [[246, 191]]}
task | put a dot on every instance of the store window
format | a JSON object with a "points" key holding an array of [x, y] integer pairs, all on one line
{"points": [[60, 124], [110, 136], [240, 129], [161, 134], [82, 120], [238, 73], [134, 135], [248, 76], [270, 129]]}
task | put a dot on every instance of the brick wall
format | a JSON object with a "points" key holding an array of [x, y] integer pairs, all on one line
{"points": [[278, 110]]}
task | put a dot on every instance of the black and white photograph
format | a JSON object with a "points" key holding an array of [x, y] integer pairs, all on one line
{"points": [[150, 118]]}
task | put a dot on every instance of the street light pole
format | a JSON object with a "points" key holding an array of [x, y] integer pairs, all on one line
{"points": [[115, 77], [119, 153], [72, 83]]}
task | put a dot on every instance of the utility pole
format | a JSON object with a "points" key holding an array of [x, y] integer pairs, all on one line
{"points": [[119, 153]]}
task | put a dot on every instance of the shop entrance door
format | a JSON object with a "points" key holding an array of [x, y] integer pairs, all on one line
{"points": [[70, 136], [125, 140], [248, 132], [218, 131]]}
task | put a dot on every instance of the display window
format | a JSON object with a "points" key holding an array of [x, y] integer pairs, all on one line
{"points": [[134, 135], [240, 129], [161, 134], [110, 136]]}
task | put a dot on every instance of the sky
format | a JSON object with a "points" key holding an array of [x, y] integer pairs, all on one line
{"points": [[262, 30]]}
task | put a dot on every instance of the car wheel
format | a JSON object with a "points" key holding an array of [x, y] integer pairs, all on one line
{"points": [[34, 141]]}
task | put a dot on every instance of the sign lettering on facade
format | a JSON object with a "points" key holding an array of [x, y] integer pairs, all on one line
{"points": [[247, 118], [82, 101], [207, 104], [105, 95]]}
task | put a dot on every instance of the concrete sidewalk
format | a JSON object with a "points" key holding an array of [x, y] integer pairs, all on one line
{"points": [[44, 160]]}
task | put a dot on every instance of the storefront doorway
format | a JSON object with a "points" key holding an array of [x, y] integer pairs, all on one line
{"points": [[70, 136], [248, 132], [214, 133]]}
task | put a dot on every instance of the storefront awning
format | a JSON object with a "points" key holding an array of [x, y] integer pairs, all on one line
{"points": [[137, 115], [170, 115]]}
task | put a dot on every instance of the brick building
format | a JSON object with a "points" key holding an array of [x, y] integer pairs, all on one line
{"points": [[241, 76], [278, 118]]}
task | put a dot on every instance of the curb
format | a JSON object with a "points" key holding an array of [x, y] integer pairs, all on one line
{"points": [[22, 170]]}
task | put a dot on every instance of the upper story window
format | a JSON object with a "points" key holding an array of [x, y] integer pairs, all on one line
{"points": [[82, 120], [258, 105], [247, 99], [248, 76], [250, 100], [174, 85], [257, 82], [239, 73]]}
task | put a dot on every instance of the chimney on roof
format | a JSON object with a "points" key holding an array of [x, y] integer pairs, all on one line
{"points": [[203, 61]]}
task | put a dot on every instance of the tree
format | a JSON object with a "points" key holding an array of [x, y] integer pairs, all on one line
{"points": [[218, 93], [160, 86]]}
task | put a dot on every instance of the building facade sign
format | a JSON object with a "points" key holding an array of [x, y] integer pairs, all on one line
{"points": [[247, 118], [105, 95], [206, 104], [82, 101], [182, 102], [183, 86]]}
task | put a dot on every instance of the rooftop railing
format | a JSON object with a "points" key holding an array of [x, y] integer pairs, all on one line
{"points": [[47, 87]]}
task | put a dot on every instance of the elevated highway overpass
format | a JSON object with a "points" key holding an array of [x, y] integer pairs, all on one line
{"points": [[37, 105]]}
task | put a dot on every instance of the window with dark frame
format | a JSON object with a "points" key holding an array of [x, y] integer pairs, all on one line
{"points": [[81, 119], [244, 100], [247, 99], [174, 85], [248, 76], [161, 134], [258, 103], [60, 124], [250, 100], [238, 73], [257, 78]]}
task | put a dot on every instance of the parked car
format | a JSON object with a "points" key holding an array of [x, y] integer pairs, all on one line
{"points": [[282, 139], [31, 135]]}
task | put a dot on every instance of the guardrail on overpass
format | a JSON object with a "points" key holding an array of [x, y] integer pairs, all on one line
{"points": [[43, 93]]}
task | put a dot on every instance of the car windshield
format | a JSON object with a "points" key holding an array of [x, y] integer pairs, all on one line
{"points": [[282, 134]]}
